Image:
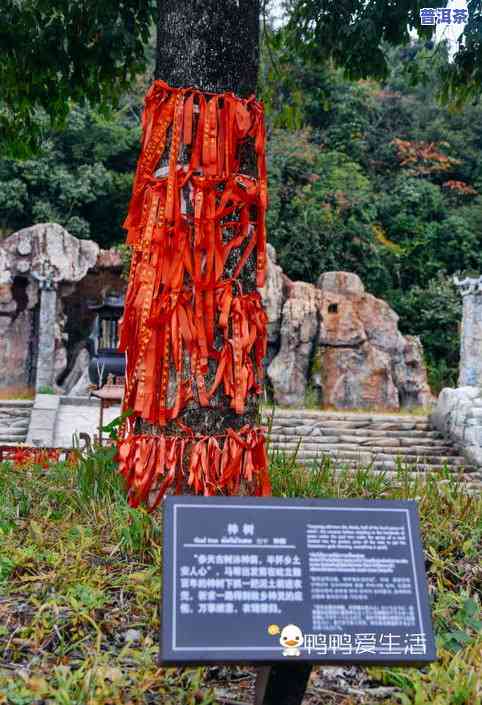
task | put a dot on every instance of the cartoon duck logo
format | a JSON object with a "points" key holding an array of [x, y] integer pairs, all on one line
{"points": [[291, 639]]}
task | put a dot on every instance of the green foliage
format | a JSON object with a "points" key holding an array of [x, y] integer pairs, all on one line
{"points": [[56, 53], [380, 180], [46, 389], [138, 532], [81, 178], [356, 35], [433, 311], [112, 428], [320, 209], [96, 476]]}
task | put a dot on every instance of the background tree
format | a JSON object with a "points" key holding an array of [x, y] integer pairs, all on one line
{"points": [[81, 177], [55, 52]]}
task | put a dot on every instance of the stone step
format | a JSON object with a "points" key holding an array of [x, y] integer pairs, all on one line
{"points": [[15, 413], [393, 465], [337, 416], [295, 422], [355, 423], [318, 431], [14, 420], [12, 432], [397, 450], [468, 480], [15, 404], [422, 460], [395, 442], [368, 458], [360, 440]]}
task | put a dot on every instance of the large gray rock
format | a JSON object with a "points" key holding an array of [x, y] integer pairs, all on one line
{"points": [[346, 282], [410, 374], [81, 387], [33, 262], [272, 295], [31, 250], [357, 377], [77, 381], [458, 415], [40, 267], [299, 331]]}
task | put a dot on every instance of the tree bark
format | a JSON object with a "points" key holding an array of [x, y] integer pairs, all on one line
{"points": [[212, 45]]}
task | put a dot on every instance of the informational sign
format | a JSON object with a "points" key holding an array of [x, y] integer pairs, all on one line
{"points": [[265, 580]]}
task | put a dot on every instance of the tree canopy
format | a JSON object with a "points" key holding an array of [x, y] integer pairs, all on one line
{"points": [[58, 52], [370, 176], [55, 52], [353, 34]]}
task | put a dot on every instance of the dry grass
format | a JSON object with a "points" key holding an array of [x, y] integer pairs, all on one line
{"points": [[80, 588]]}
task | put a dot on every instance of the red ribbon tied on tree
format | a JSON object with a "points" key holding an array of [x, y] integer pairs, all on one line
{"points": [[199, 196]]}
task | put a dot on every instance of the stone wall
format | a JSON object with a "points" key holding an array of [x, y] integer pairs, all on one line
{"points": [[458, 412], [470, 369], [458, 415]]}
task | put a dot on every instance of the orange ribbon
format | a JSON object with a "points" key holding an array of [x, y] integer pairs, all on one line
{"points": [[217, 464], [191, 208]]}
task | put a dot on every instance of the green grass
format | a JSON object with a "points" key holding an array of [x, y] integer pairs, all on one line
{"points": [[46, 389], [79, 568]]}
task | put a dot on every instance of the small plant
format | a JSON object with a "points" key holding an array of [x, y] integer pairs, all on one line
{"points": [[45, 389], [112, 428], [312, 397], [440, 375], [139, 532], [96, 477]]}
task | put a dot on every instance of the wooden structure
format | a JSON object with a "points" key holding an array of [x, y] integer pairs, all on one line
{"points": [[111, 393]]}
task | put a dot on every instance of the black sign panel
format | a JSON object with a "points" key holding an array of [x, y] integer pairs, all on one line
{"points": [[265, 579]]}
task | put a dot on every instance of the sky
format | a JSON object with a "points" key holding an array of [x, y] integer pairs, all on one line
{"points": [[451, 31]]}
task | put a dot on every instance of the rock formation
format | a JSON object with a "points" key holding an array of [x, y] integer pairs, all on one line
{"points": [[333, 340], [40, 267], [343, 344], [299, 327]]}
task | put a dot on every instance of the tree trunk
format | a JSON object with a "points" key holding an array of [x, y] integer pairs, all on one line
{"points": [[212, 45]]}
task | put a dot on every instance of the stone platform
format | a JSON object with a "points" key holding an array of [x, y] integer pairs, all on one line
{"points": [[57, 421]]}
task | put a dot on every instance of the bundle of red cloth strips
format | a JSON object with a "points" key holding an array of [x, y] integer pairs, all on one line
{"points": [[187, 318]]}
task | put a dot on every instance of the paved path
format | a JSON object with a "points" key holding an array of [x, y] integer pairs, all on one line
{"points": [[79, 415]]}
